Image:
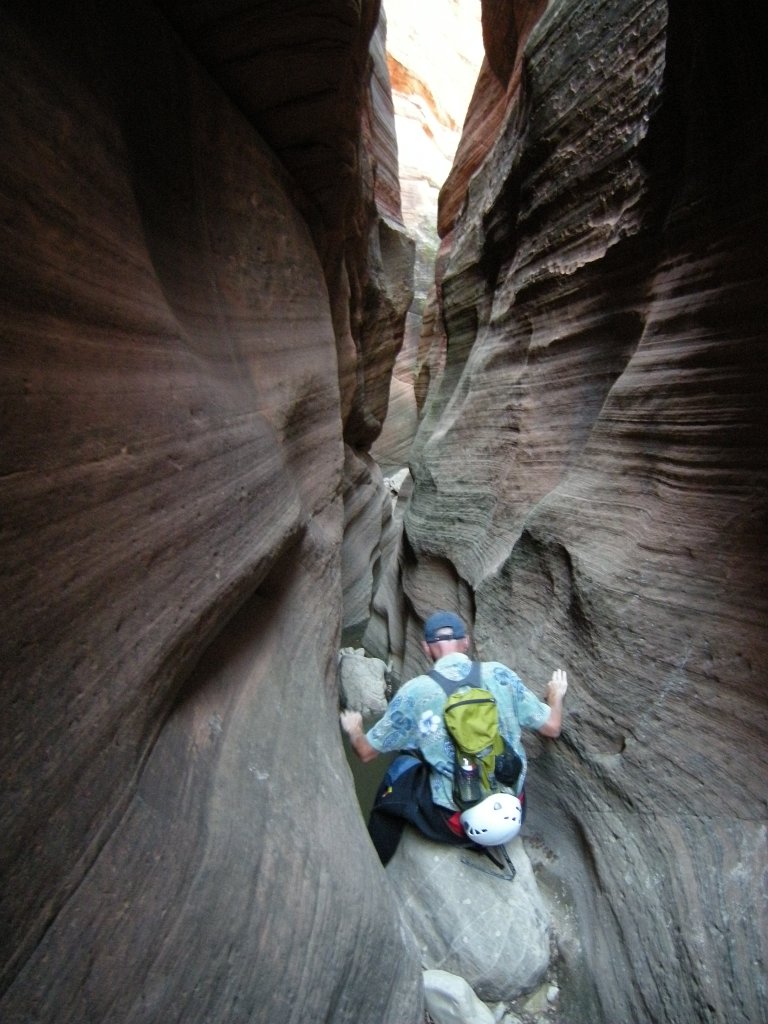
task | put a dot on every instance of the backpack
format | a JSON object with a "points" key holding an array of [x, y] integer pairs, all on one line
{"points": [[484, 762]]}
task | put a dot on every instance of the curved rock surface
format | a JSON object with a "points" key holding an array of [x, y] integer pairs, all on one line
{"points": [[467, 920], [203, 283], [184, 361], [590, 479]]}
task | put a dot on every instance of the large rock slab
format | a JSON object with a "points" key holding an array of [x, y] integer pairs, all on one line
{"points": [[362, 682], [471, 921]]}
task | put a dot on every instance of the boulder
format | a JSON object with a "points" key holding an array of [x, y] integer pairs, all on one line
{"points": [[468, 920], [363, 682]]}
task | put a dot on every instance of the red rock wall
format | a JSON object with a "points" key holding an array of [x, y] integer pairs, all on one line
{"points": [[177, 396], [591, 479], [301, 74]]}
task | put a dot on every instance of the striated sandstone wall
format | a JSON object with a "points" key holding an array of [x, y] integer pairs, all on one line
{"points": [[591, 474], [198, 248], [188, 366]]}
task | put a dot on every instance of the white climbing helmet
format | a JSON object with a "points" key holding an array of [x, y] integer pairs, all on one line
{"points": [[493, 821]]}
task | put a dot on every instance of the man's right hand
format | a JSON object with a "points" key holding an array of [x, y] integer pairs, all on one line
{"points": [[351, 723]]}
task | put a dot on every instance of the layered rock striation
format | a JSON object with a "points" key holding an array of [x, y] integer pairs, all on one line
{"points": [[202, 284], [590, 476]]}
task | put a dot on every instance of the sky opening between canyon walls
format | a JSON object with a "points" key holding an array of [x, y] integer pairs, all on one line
{"points": [[434, 55]]}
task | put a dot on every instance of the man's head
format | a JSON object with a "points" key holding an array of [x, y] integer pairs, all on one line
{"points": [[444, 633]]}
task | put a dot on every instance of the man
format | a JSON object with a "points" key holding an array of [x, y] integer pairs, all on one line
{"points": [[418, 788]]}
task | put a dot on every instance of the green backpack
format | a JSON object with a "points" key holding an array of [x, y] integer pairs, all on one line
{"points": [[484, 762]]}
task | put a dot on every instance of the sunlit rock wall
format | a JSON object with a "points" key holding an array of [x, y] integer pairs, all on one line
{"points": [[184, 358], [433, 55], [590, 476]]}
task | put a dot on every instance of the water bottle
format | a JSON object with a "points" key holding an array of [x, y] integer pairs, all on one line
{"points": [[469, 781]]}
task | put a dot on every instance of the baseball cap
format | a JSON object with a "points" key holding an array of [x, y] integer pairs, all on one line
{"points": [[443, 625]]}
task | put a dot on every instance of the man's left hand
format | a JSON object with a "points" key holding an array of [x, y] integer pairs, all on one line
{"points": [[558, 684]]}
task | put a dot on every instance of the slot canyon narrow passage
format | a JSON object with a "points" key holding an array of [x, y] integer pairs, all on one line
{"points": [[312, 323]]}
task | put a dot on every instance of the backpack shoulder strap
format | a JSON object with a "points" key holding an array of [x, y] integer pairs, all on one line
{"points": [[472, 678]]}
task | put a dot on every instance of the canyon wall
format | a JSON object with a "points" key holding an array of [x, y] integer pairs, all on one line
{"points": [[203, 284], [590, 476]]}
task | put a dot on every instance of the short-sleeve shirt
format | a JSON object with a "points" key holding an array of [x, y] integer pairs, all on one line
{"points": [[414, 718]]}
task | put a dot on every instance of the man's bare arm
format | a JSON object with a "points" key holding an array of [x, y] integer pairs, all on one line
{"points": [[556, 688], [352, 724]]}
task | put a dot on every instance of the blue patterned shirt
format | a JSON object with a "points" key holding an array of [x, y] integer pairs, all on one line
{"points": [[414, 719]]}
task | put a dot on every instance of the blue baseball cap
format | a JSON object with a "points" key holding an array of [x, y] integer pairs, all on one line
{"points": [[443, 626]]}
